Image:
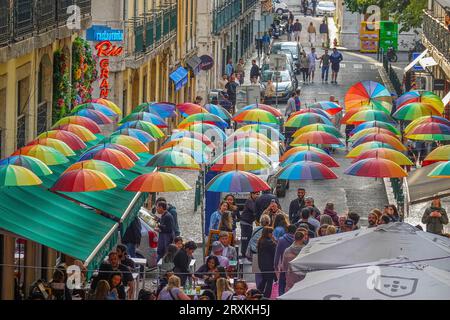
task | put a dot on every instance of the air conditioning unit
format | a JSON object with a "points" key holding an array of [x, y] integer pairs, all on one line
{"points": [[424, 82]]}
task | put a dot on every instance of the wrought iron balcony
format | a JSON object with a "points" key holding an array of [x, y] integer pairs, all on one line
{"points": [[437, 34], [248, 4], [225, 14]]}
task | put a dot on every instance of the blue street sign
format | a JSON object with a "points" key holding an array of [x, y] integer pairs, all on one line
{"points": [[103, 33], [417, 67]]}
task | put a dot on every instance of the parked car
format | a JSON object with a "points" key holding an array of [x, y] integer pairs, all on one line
{"points": [[325, 8], [280, 7], [294, 47], [149, 240], [285, 83]]}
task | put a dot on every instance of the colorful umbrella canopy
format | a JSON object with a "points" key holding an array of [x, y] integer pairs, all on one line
{"points": [[188, 108], [193, 135], [375, 124], [83, 133], [425, 119], [244, 149], [306, 170], [96, 116], [376, 168], [316, 137], [260, 145], [200, 157], [146, 116], [304, 119], [355, 152], [393, 141], [414, 110], [207, 129], [441, 171], [170, 158], [265, 107], [426, 97], [55, 144], [131, 143], [186, 142], [71, 139], [104, 167], [373, 130], [108, 145], [271, 133], [204, 118], [369, 115], [294, 150], [78, 120], [141, 135], [318, 127], [239, 160], [108, 104], [308, 155], [97, 107], [219, 111], [162, 109], [311, 110], [146, 126], [330, 107], [441, 153], [385, 153], [83, 180], [115, 157], [158, 182], [247, 134], [237, 181], [430, 131], [47, 155], [33, 164], [16, 176], [256, 116], [368, 93]]}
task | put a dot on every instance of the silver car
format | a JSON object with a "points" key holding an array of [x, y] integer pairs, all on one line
{"points": [[149, 237]]}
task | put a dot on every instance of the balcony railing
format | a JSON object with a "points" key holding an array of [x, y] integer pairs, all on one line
{"points": [[228, 12], [5, 28], [248, 4], [437, 34]]}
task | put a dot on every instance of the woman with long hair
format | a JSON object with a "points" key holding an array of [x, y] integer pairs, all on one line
{"points": [[280, 225], [393, 213], [266, 257], [226, 222], [224, 289], [235, 214], [173, 291], [217, 215], [208, 270], [103, 291]]}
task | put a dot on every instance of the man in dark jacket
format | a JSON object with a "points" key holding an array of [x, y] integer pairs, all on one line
{"points": [[296, 206], [262, 203], [173, 211], [132, 237], [182, 261], [309, 202], [165, 229], [231, 87], [254, 71], [283, 243], [247, 219]]}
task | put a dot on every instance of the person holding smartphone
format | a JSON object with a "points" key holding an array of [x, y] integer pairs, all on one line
{"points": [[435, 217]]}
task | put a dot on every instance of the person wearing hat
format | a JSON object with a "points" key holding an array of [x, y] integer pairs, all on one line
{"points": [[217, 250], [228, 251], [349, 225]]}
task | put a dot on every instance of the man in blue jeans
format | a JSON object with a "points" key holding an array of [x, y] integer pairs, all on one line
{"points": [[325, 66]]}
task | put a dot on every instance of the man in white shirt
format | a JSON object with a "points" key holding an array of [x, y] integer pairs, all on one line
{"points": [[312, 57], [228, 252]]}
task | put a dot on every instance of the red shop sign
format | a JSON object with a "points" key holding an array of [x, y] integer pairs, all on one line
{"points": [[106, 49]]}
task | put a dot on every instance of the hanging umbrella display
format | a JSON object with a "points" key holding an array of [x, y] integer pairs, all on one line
{"points": [[211, 131], [425, 97], [381, 138], [311, 110], [81, 132], [277, 113], [369, 115], [294, 150], [83, 180], [78, 120], [316, 137], [441, 153], [244, 149], [148, 127], [318, 127], [368, 93], [97, 107], [108, 104], [47, 155], [308, 155], [69, 138], [200, 157], [247, 134], [330, 107], [375, 124], [131, 143], [306, 170], [385, 153], [17, 176], [115, 157], [376, 168], [188, 108], [170, 158], [193, 135], [104, 167], [260, 145], [373, 130], [219, 111], [108, 145], [256, 116], [204, 118], [162, 109], [158, 182], [430, 131], [145, 116], [141, 135], [243, 161], [270, 132], [426, 119], [55, 144], [441, 171], [304, 119], [186, 142], [33, 164], [96, 116], [237, 181], [355, 152], [412, 111]]}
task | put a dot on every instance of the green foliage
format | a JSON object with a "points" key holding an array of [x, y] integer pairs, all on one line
{"points": [[61, 86]]}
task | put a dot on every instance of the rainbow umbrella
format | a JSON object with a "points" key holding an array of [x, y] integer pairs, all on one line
{"points": [[318, 127], [146, 126], [430, 131], [244, 149], [441, 153], [277, 113], [294, 150], [260, 145], [311, 110], [426, 119], [200, 157], [104, 167], [162, 109], [256, 116], [376, 168], [393, 141], [204, 118], [304, 119], [306, 170], [108, 145], [33, 164], [330, 107], [193, 135], [375, 124], [111, 105], [368, 93], [414, 110], [83, 133], [47, 155], [170, 158], [219, 111], [266, 130], [115, 157], [189, 143], [237, 181], [355, 152], [239, 160], [350, 113], [96, 116], [17, 176], [141, 135], [207, 129], [441, 171], [373, 130], [131, 143], [369, 115], [425, 97], [389, 154], [145, 116], [55, 144], [308, 155], [83, 180], [71, 139], [97, 107], [188, 108], [78, 120], [158, 182], [247, 134], [316, 137]]}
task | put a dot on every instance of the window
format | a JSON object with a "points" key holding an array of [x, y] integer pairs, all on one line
{"points": [[23, 97], [2, 121]]}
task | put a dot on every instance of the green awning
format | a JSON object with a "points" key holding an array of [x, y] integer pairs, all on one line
{"points": [[46, 218], [140, 166]]}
